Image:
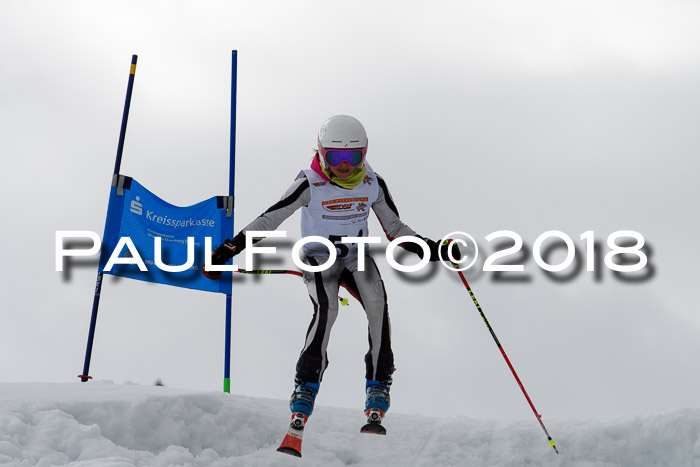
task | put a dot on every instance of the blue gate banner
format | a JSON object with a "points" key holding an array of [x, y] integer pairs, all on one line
{"points": [[138, 214]]}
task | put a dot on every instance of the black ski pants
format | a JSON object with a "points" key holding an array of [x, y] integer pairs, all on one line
{"points": [[367, 287]]}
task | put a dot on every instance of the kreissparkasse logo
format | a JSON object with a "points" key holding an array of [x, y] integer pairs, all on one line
{"points": [[136, 207]]}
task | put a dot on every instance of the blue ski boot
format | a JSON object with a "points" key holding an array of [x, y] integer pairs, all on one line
{"points": [[376, 405], [303, 397]]}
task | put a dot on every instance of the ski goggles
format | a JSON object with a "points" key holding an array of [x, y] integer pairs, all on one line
{"points": [[335, 157]]}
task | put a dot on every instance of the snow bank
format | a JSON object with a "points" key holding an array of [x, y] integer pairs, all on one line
{"points": [[105, 424]]}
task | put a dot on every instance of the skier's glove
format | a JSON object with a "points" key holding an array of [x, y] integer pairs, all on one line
{"points": [[221, 255], [449, 251]]}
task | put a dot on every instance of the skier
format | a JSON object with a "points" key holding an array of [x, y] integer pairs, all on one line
{"points": [[335, 194]]}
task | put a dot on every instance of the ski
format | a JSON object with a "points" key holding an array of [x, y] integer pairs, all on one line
{"points": [[374, 423], [291, 444]]}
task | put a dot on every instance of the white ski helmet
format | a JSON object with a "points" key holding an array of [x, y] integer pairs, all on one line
{"points": [[341, 132]]}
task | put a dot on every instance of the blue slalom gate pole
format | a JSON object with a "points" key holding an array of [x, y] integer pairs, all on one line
{"points": [[231, 190], [98, 284]]}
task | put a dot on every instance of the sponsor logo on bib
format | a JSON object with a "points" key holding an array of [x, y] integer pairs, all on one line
{"points": [[345, 204]]}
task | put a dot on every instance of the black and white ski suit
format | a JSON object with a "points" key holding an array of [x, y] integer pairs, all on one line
{"points": [[332, 212]]}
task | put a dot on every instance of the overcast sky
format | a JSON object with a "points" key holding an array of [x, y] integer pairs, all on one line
{"points": [[482, 116]]}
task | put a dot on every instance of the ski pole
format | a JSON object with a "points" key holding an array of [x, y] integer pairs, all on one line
{"points": [[343, 301], [270, 271], [552, 443]]}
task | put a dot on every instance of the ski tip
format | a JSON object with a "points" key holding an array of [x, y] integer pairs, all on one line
{"points": [[373, 428], [288, 450]]}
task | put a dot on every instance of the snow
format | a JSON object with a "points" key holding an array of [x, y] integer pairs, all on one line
{"points": [[101, 423]]}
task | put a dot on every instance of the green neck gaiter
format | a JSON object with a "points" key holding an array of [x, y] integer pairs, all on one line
{"points": [[351, 182]]}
